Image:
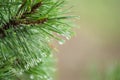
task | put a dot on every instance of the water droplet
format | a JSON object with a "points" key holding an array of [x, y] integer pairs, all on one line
{"points": [[45, 77], [31, 77], [68, 37], [53, 25], [40, 59], [27, 67], [20, 73], [21, 27], [51, 55], [50, 78], [44, 55], [61, 42]]}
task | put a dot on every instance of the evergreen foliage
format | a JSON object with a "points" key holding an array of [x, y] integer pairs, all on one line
{"points": [[26, 29]]}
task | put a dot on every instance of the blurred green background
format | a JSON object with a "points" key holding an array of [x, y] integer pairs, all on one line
{"points": [[94, 53]]}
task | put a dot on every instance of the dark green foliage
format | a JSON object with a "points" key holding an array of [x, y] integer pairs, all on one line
{"points": [[26, 29]]}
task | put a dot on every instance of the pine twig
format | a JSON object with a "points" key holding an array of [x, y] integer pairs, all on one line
{"points": [[33, 9], [17, 22]]}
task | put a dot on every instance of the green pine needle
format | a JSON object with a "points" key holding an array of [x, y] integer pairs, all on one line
{"points": [[27, 27]]}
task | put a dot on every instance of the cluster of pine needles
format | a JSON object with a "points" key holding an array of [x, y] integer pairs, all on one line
{"points": [[26, 29]]}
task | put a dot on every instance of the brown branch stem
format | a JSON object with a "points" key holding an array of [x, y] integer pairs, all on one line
{"points": [[33, 9], [15, 23]]}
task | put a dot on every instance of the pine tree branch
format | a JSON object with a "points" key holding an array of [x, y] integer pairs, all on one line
{"points": [[33, 9], [15, 23], [26, 29]]}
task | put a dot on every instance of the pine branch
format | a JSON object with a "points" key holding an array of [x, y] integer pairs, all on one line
{"points": [[27, 28], [16, 23], [33, 9]]}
